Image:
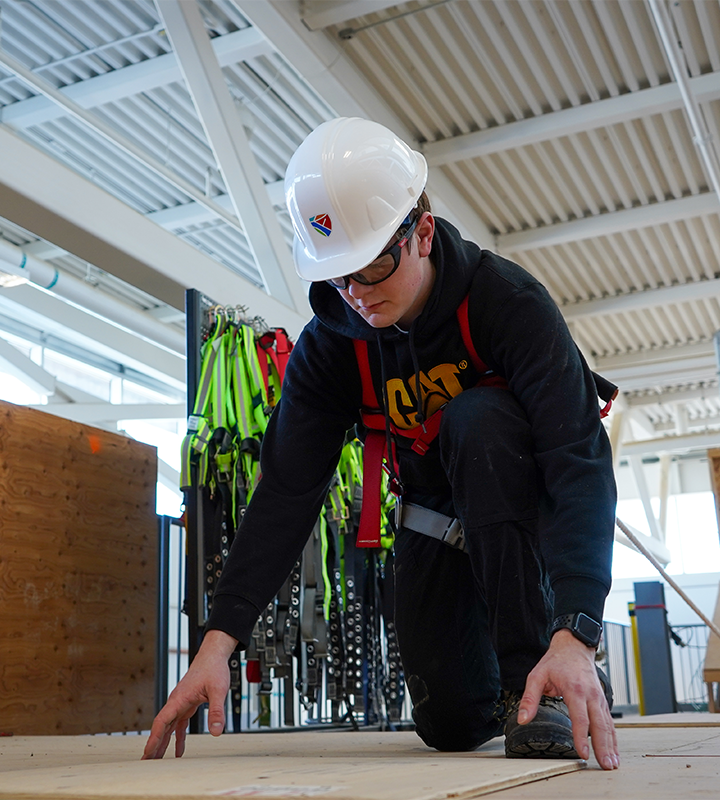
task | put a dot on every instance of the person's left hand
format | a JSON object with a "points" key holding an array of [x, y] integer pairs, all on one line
{"points": [[567, 670]]}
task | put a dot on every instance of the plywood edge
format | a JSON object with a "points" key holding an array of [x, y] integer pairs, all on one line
{"points": [[649, 724], [562, 768]]}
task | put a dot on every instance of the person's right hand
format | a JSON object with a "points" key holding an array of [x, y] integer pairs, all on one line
{"points": [[206, 681]]}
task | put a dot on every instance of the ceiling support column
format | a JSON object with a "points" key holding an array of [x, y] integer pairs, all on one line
{"points": [[665, 463], [639, 473]]}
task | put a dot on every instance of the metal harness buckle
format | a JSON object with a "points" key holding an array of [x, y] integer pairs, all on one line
{"points": [[454, 535]]}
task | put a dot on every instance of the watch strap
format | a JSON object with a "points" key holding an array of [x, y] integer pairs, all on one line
{"points": [[571, 622]]}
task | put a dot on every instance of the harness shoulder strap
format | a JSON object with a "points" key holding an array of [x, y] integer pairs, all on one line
{"points": [[283, 346], [464, 320], [369, 398]]}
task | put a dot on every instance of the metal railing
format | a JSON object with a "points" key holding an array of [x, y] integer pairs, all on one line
{"points": [[688, 656], [616, 659], [688, 646]]}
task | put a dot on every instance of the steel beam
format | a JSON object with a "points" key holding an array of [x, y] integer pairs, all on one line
{"points": [[600, 114], [133, 79], [607, 224], [193, 213], [664, 492], [101, 336], [324, 14], [655, 546], [233, 155], [655, 369], [91, 413], [640, 481], [169, 477], [618, 423], [673, 444], [99, 228], [324, 65], [663, 296], [119, 140], [680, 396], [674, 54], [640, 421], [13, 362]]}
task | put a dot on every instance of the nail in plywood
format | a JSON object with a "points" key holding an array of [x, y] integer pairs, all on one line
{"points": [[330, 765], [77, 576]]}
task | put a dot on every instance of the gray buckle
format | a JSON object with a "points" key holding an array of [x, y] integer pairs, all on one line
{"points": [[454, 535]]}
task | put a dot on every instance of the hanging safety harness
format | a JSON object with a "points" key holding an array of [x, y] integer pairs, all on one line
{"points": [[323, 628], [409, 515]]}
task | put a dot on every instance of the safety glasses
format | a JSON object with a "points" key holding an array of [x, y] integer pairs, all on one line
{"points": [[381, 268]]}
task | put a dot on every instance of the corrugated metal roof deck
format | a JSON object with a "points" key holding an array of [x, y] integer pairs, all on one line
{"points": [[558, 123]]}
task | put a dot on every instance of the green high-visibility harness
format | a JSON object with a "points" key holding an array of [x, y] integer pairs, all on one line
{"points": [[329, 633]]}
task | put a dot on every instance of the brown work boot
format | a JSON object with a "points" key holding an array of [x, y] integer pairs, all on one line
{"points": [[547, 735]]}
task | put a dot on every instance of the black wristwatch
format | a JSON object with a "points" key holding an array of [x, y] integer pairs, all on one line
{"points": [[581, 626]]}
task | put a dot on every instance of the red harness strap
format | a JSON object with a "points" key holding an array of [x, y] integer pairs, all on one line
{"points": [[276, 345], [422, 435], [369, 529], [486, 379]]}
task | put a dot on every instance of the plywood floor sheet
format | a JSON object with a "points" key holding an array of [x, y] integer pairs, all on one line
{"points": [[656, 763], [687, 719], [330, 766]]}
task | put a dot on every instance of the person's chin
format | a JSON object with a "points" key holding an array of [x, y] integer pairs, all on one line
{"points": [[378, 317]]}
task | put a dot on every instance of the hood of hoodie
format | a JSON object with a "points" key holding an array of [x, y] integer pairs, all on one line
{"points": [[455, 261]]}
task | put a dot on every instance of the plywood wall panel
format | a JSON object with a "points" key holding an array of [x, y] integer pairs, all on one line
{"points": [[77, 577]]}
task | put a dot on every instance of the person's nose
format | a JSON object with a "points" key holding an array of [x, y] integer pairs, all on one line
{"points": [[359, 290]]}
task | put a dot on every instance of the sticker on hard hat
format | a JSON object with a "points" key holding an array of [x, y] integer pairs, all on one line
{"points": [[322, 224]]}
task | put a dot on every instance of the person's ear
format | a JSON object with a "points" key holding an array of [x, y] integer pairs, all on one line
{"points": [[424, 233]]}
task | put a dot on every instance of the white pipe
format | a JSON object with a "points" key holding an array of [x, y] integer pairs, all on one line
{"points": [[701, 136], [74, 290]]}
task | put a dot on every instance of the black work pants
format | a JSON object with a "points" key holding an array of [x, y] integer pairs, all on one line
{"points": [[473, 624]]}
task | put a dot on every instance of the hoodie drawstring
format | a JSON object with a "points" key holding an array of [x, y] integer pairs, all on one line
{"points": [[420, 419], [396, 485]]}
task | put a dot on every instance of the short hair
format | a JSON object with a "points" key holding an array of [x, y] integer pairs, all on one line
{"points": [[422, 205]]}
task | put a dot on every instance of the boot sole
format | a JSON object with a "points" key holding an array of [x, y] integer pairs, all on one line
{"points": [[550, 742]]}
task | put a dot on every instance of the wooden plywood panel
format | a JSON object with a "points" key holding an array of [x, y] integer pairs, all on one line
{"points": [[686, 719], [655, 764], [711, 668], [714, 464], [333, 766], [77, 576]]}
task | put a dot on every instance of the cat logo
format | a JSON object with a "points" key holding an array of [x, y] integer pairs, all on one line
{"points": [[437, 387]]}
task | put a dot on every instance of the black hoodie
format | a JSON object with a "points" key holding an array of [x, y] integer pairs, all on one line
{"points": [[519, 332]]}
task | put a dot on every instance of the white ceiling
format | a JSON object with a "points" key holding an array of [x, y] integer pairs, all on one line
{"points": [[558, 134]]}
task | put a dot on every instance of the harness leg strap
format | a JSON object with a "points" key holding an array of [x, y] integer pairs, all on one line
{"points": [[369, 529]]}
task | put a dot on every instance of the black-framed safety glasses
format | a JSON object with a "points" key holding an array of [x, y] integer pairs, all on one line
{"points": [[381, 268]]}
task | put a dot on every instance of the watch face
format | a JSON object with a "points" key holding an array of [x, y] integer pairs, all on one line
{"points": [[588, 628]]}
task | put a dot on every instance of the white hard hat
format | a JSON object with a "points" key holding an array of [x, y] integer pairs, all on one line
{"points": [[348, 188]]}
